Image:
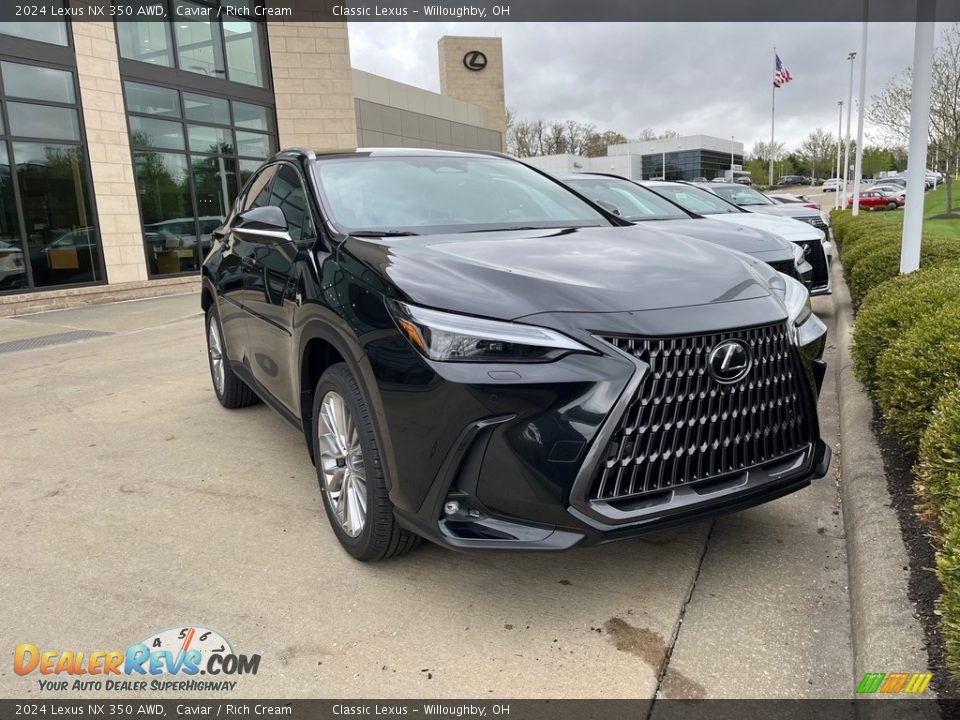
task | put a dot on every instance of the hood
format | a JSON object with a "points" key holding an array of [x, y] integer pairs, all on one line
{"points": [[791, 211], [756, 242], [785, 227], [507, 275]]}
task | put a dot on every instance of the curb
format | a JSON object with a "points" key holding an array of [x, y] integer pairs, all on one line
{"points": [[887, 636]]}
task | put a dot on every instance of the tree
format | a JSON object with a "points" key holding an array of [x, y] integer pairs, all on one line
{"points": [[817, 150], [530, 138], [597, 143], [891, 108]]}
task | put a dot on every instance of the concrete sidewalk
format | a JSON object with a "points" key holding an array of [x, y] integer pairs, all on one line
{"points": [[133, 502]]}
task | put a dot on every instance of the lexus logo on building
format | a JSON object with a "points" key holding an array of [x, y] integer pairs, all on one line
{"points": [[730, 361], [475, 60]]}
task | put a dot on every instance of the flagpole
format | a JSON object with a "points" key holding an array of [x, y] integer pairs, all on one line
{"points": [[773, 109]]}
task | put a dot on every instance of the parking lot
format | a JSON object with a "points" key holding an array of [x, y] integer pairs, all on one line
{"points": [[133, 502]]}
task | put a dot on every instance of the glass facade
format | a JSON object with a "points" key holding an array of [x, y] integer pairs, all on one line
{"points": [[230, 48], [48, 234], [192, 154], [688, 164]]}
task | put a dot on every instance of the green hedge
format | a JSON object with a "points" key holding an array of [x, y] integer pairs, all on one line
{"points": [[883, 262], [916, 370], [939, 460], [892, 307], [948, 571]]}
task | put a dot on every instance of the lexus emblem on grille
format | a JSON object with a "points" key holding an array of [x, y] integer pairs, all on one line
{"points": [[807, 249], [730, 361]]}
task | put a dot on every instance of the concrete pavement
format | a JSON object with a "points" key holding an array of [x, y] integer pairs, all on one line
{"points": [[133, 502]]}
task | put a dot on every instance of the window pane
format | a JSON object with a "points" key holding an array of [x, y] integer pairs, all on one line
{"points": [[61, 239], [287, 194], [13, 271], [215, 181], [199, 46], [39, 83], [247, 169], [2, 129], [152, 100], [147, 132], [252, 117], [48, 31], [245, 58], [203, 108], [169, 225], [43, 121], [206, 139], [254, 144], [147, 42]]}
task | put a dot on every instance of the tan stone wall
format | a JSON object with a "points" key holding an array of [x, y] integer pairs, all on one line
{"points": [[313, 84], [483, 87], [108, 147]]}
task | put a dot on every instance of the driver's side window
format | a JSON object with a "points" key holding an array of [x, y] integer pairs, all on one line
{"points": [[258, 192], [287, 194]]}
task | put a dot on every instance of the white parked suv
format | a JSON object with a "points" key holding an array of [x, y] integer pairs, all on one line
{"points": [[832, 185]]}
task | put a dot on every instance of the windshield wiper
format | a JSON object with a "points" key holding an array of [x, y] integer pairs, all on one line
{"points": [[382, 233]]}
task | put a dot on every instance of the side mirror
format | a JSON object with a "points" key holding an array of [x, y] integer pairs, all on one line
{"points": [[267, 222], [609, 207]]}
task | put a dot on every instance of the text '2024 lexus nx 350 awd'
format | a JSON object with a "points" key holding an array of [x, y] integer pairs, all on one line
{"points": [[479, 355]]}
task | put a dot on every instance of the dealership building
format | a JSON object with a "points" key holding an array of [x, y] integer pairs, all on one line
{"points": [[678, 158], [123, 145]]}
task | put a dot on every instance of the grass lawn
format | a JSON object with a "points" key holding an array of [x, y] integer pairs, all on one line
{"points": [[935, 202]]}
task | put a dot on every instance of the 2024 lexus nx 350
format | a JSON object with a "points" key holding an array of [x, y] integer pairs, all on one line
{"points": [[478, 355]]}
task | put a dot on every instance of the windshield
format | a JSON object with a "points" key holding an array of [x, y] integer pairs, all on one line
{"points": [[696, 200], [632, 201], [442, 194], [742, 196]]}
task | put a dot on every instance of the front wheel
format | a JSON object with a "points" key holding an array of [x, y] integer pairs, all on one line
{"points": [[350, 473], [892, 206]]}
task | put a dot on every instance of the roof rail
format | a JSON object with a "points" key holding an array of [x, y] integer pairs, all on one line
{"points": [[309, 152]]}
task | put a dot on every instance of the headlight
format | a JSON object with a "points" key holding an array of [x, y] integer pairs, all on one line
{"points": [[796, 298], [825, 218], [446, 337], [797, 254]]}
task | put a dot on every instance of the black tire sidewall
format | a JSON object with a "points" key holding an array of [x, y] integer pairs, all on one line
{"points": [[339, 379]]}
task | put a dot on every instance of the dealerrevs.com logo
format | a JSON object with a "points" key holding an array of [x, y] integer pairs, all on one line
{"points": [[183, 653]]}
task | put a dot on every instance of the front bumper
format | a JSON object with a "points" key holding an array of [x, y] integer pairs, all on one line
{"points": [[501, 457]]}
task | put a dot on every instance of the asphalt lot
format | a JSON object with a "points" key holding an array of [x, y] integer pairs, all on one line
{"points": [[133, 502]]}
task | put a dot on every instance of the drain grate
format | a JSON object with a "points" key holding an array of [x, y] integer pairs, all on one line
{"points": [[55, 339]]}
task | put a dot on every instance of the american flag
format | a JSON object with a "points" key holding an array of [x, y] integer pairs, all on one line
{"points": [[781, 76]]}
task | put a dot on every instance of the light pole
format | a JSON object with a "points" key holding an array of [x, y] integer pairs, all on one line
{"points": [[836, 198], [731, 157], [663, 160], [846, 151], [858, 163]]}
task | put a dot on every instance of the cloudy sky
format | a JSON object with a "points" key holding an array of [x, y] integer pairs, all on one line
{"points": [[711, 78]]}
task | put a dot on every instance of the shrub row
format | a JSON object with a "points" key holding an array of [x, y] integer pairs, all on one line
{"points": [[906, 351]]}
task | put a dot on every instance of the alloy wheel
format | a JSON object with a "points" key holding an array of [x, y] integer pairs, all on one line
{"points": [[341, 462], [215, 346]]}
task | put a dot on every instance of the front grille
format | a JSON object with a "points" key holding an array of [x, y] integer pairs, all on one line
{"points": [[683, 426], [787, 267], [820, 277], [817, 222]]}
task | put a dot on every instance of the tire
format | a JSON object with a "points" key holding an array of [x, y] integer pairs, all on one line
{"points": [[230, 390], [349, 471], [892, 206]]}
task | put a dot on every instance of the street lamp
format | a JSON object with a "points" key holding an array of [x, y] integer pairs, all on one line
{"points": [[836, 199], [846, 152]]}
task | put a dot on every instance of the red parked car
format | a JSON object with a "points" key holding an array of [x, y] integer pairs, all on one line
{"points": [[872, 200]]}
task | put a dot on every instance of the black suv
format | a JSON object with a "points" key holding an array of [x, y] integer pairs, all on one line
{"points": [[479, 355]]}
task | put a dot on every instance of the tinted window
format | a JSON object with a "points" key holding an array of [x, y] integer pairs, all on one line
{"points": [[152, 100], [147, 42], [245, 61], [258, 194], [167, 210], [199, 43], [38, 83], [695, 200], [203, 108], [43, 121], [288, 195], [632, 201], [742, 196], [48, 31], [445, 194], [147, 132]]}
